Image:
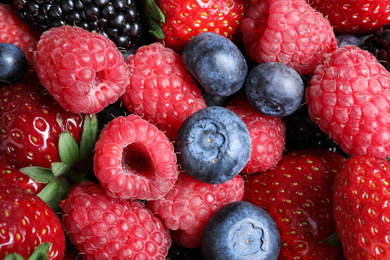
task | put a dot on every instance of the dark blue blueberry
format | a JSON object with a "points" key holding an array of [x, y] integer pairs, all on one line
{"points": [[13, 63], [216, 63], [274, 89], [110, 112], [240, 231], [213, 145], [347, 39]]}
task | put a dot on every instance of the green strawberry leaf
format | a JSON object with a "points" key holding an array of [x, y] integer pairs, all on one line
{"points": [[59, 168], [53, 193], [154, 18], [40, 253], [333, 240], [39, 174], [88, 137], [68, 148], [14, 256]]}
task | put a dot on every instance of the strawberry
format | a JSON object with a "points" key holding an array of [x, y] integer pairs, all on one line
{"points": [[27, 222], [182, 20], [297, 193], [361, 207], [354, 17]]}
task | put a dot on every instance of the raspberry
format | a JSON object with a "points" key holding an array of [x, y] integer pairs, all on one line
{"points": [[83, 71], [289, 32], [189, 204], [133, 159], [348, 97], [14, 31], [160, 88], [267, 136], [102, 227]]}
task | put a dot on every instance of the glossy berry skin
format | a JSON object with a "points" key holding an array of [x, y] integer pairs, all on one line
{"points": [[361, 211], [213, 145], [346, 39], [103, 227], [13, 63], [216, 63], [240, 230], [26, 222], [274, 89]]}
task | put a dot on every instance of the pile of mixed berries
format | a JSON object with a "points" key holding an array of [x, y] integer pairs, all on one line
{"points": [[210, 129]]}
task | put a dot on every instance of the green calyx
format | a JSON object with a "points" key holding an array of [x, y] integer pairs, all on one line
{"points": [[40, 253], [59, 177], [154, 18]]}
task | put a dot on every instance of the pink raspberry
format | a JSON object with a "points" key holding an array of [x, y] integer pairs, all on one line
{"points": [[102, 227], [290, 32], [349, 98], [134, 159], [190, 203], [160, 88], [83, 71], [267, 136]]}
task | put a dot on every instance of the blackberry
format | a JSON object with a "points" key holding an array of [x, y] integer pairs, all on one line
{"points": [[118, 20], [378, 44]]}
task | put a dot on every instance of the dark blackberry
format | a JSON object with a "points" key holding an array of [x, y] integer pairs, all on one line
{"points": [[378, 44], [119, 20]]}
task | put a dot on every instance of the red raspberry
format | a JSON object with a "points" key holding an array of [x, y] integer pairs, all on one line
{"points": [[290, 32], [13, 30], [267, 136], [160, 88], [102, 227], [190, 203], [349, 98], [134, 159], [83, 71]]}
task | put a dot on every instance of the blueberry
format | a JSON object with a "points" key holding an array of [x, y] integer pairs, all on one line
{"points": [[216, 63], [240, 231], [13, 63], [274, 89], [347, 39], [110, 112], [213, 145]]}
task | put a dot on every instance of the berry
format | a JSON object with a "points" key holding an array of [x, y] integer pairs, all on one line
{"points": [[26, 222], [240, 230], [378, 45], [103, 227], [13, 63], [361, 207], [14, 31], [31, 123], [216, 63], [213, 145], [289, 32], [190, 203], [134, 159], [348, 39], [274, 89], [354, 17], [181, 20], [267, 136], [298, 194], [117, 20], [84, 75], [348, 97], [160, 88]]}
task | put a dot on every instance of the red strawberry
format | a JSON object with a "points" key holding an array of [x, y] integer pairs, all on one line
{"points": [[361, 208], [290, 32], [182, 20], [103, 227], [27, 222], [267, 136], [349, 98], [354, 17], [190, 203], [30, 125], [160, 89], [298, 194]]}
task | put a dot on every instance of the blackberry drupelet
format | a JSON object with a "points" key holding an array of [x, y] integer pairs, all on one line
{"points": [[119, 20], [378, 44]]}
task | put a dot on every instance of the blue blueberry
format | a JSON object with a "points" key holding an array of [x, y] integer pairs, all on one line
{"points": [[213, 145], [347, 39], [110, 112], [13, 64], [274, 89], [216, 63], [240, 231]]}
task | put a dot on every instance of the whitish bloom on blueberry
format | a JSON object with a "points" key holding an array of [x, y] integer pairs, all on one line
{"points": [[248, 239], [207, 141]]}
